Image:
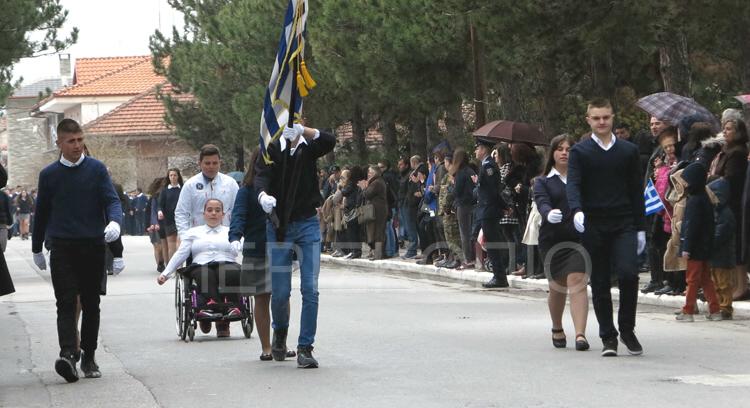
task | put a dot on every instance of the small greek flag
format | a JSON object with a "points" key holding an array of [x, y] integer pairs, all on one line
{"points": [[653, 202]]}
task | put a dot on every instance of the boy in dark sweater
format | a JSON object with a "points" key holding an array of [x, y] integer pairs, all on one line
{"points": [[77, 211], [605, 184], [696, 243]]}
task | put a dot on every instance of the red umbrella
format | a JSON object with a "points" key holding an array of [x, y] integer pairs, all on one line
{"points": [[745, 99], [514, 132]]}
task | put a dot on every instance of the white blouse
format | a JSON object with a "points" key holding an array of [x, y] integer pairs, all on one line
{"points": [[206, 244]]}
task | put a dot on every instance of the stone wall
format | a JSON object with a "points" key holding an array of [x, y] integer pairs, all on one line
{"points": [[28, 151]]}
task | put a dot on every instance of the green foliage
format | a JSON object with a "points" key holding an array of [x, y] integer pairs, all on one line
{"points": [[19, 19], [409, 62]]}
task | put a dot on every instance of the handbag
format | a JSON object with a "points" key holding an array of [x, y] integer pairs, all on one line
{"points": [[366, 213]]}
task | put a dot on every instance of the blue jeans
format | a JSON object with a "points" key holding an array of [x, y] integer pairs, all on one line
{"points": [[303, 238], [411, 231]]}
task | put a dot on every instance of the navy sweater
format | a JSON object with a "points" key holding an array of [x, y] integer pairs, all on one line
{"points": [[249, 220], [606, 183], [74, 203]]}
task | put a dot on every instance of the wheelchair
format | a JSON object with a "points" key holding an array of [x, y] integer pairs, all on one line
{"points": [[186, 299]]}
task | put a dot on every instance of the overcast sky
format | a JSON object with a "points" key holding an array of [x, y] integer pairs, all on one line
{"points": [[107, 28]]}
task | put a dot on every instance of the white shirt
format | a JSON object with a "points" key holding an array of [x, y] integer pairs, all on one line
{"points": [[67, 163], [601, 144], [194, 194], [206, 245], [554, 172]]}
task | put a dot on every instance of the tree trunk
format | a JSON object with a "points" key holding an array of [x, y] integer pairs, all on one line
{"points": [[478, 79], [419, 136], [433, 131], [602, 76], [511, 105], [674, 64], [390, 137], [358, 135], [551, 101], [454, 123]]}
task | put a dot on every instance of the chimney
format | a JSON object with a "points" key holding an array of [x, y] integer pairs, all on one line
{"points": [[65, 75]]}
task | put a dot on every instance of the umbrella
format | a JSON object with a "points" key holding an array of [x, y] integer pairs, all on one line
{"points": [[514, 132], [672, 108], [745, 99]]}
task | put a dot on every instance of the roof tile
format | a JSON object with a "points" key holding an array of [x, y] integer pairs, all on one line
{"points": [[112, 76]]}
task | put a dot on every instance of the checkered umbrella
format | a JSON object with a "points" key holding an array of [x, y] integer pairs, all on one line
{"points": [[672, 108]]}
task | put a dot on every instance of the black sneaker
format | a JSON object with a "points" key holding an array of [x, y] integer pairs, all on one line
{"points": [[88, 365], [610, 347], [66, 367], [305, 358], [278, 345], [632, 344], [496, 283], [652, 287]]}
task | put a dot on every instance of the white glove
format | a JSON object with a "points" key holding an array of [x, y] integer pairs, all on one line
{"points": [[39, 261], [578, 221], [236, 247], [118, 264], [112, 231], [267, 202], [641, 241], [291, 133], [554, 216]]}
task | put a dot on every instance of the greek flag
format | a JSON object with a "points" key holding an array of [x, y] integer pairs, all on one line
{"points": [[290, 79], [653, 202]]}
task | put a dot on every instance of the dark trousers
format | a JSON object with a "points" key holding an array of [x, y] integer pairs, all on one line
{"points": [[494, 239], [426, 232], [612, 245], [464, 214], [656, 249], [76, 268]]}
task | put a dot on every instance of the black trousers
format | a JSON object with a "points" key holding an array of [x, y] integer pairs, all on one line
{"points": [[426, 229], [76, 267], [494, 239], [612, 244], [656, 249]]}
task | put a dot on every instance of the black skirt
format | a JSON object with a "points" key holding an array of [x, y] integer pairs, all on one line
{"points": [[256, 276], [562, 262]]}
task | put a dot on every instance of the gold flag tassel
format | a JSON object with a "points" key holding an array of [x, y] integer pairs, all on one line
{"points": [[309, 81], [301, 85]]}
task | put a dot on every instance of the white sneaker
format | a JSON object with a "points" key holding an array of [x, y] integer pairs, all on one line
{"points": [[714, 317], [684, 317], [118, 265]]}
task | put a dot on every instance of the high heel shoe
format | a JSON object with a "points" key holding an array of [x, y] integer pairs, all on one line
{"points": [[559, 343], [581, 345]]}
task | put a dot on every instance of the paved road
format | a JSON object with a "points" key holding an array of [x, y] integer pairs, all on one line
{"points": [[383, 340]]}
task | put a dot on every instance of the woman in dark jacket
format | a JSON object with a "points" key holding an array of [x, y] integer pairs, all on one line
{"points": [[24, 208], [696, 243], [167, 204], [352, 244], [6, 283], [564, 266], [374, 192], [731, 164], [463, 193]]}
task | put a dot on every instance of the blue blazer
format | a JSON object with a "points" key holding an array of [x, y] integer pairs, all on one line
{"points": [[549, 194]]}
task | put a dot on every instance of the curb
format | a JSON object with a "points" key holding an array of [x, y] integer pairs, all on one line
{"points": [[474, 278]]}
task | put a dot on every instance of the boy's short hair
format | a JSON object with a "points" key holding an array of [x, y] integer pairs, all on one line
{"points": [[69, 126], [208, 150], [598, 103], [205, 205]]}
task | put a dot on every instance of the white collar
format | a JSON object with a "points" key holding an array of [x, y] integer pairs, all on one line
{"points": [[283, 143], [601, 144], [214, 230], [67, 163], [487, 159], [554, 172], [169, 187]]}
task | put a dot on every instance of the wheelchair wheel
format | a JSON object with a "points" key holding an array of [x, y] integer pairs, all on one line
{"points": [[179, 302], [187, 309], [247, 322]]}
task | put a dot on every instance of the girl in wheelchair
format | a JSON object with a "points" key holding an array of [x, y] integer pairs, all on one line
{"points": [[214, 267]]}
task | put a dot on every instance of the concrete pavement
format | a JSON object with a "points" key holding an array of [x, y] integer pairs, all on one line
{"points": [[385, 338]]}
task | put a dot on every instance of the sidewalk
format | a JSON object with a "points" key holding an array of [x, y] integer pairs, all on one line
{"points": [[473, 278]]}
